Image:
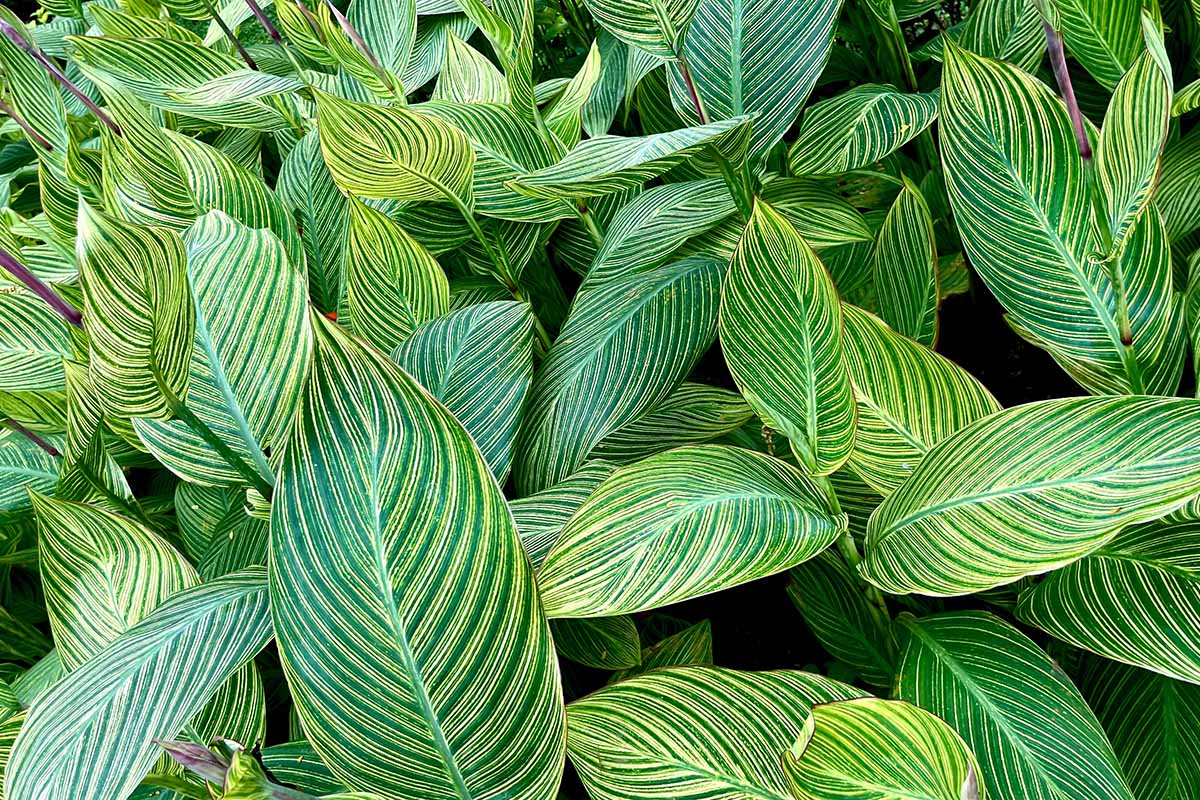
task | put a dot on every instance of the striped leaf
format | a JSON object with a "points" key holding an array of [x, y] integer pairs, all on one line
{"points": [[681, 524], [656, 27], [377, 151], [609, 164], [138, 314], [565, 116], [859, 127], [781, 333], [1032, 732], [393, 284], [1021, 202], [1104, 35], [830, 597], [1010, 30], [322, 214], [34, 340], [1178, 197], [399, 589], [693, 414], [906, 268], [83, 739], [479, 362], [625, 347], [250, 353], [32, 93], [759, 58], [468, 76], [429, 49], [540, 517], [24, 467], [603, 643], [1154, 725], [1131, 142], [697, 732], [297, 764], [909, 398], [820, 215], [1136, 600], [1030, 489], [691, 647], [872, 749]]}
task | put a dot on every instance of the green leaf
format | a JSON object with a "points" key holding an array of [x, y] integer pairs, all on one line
{"points": [[1034, 735], [1104, 35], [909, 398], [693, 414], [822, 217], [297, 764], [1154, 725], [250, 354], [681, 524], [479, 362], [564, 116], [872, 749], [34, 340], [138, 314], [610, 164], [759, 58], [1178, 197], [540, 517], [625, 347], [830, 597], [678, 743], [377, 151], [603, 643], [781, 334], [393, 283], [691, 647], [1021, 201], [859, 127], [468, 76], [906, 268], [1134, 600], [83, 739], [657, 27], [1030, 489], [429, 610]]}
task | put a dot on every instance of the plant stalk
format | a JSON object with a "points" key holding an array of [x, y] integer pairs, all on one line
{"points": [[33, 437], [229, 34], [360, 44], [849, 552], [35, 284]]}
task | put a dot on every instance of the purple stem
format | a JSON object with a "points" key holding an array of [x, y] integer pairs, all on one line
{"points": [[12, 114], [37, 55], [271, 30], [34, 284], [1058, 61], [361, 45], [197, 759], [312, 21], [33, 437], [230, 35]]}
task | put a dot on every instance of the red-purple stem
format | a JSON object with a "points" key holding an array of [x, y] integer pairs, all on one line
{"points": [[312, 21], [33, 437], [271, 30], [360, 44], [12, 114], [34, 284], [1058, 60], [37, 55], [229, 34]]}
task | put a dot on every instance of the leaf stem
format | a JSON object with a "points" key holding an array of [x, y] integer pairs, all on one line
{"points": [[589, 222], [229, 34], [34, 284], [33, 437], [685, 71], [12, 114], [360, 44], [849, 551]]}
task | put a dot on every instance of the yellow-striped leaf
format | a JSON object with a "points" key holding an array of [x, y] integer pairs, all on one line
{"points": [[696, 732], [680, 524], [693, 414], [34, 340], [781, 332], [1104, 35], [1030, 489], [906, 268], [872, 749], [657, 27], [603, 643], [540, 517], [468, 76], [399, 589]]}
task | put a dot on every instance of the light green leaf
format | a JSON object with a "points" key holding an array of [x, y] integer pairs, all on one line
{"points": [[602, 643], [479, 362], [23, 467], [1030, 489], [909, 398], [428, 606], [1034, 735], [859, 127], [819, 215], [680, 524], [468, 76], [676, 743], [138, 314], [610, 164], [389, 29], [1135, 600], [872, 749], [429, 50], [657, 27], [693, 414], [691, 647], [625, 347], [1154, 725], [251, 352], [540, 517], [83, 740], [34, 340], [781, 333], [564, 116], [600, 110], [1104, 35], [906, 268], [393, 284]]}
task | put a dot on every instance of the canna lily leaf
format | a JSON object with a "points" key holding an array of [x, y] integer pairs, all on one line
{"points": [[1131, 601], [564, 116], [423, 659], [1030, 489], [691, 647], [1028, 725], [782, 337], [603, 643], [34, 340], [675, 744], [468, 77], [681, 524], [540, 517], [1104, 35], [657, 27], [24, 467], [906, 268]]}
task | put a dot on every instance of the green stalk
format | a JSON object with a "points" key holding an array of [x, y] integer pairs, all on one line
{"points": [[738, 181], [849, 551], [902, 68]]}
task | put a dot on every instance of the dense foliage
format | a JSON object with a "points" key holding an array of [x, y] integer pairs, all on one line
{"points": [[373, 378]]}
